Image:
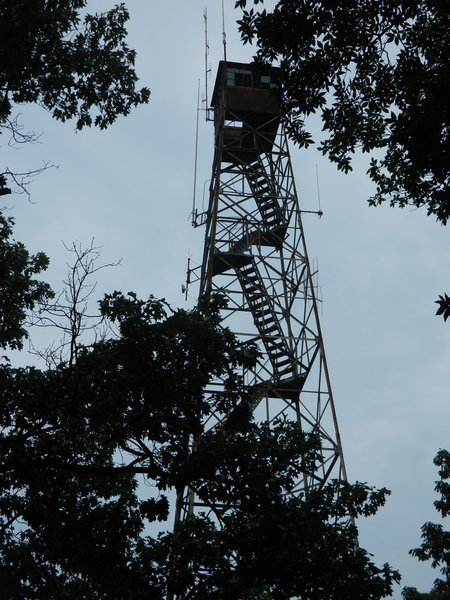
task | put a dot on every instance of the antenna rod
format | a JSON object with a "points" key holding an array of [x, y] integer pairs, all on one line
{"points": [[205, 17], [196, 154], [224, 35], [318, 190]]}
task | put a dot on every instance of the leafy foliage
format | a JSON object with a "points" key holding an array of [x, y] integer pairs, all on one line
{"points": [[67, 63], [74, 64], [68, 504], [75, 438], [409, 593], [444, 306], [435, 540], [19, 292], [279, 546], [378, 74]]}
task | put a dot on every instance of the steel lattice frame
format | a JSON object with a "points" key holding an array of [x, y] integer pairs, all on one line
{"points": [[255, 254]]}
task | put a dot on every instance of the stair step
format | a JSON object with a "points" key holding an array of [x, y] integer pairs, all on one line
{"points": [[275, 351], [255, 294], [270, 214], [278, 346], [278, 355], [270, 329], [265, 204], [263, 307], [285, 372], [281, 363], [257, 313], [265, 322], [262, 315]]}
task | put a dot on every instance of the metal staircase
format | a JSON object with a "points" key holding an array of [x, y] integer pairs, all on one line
{"points": [[266, 321]]}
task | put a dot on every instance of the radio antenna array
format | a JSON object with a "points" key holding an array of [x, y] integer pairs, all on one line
{"points": [[207, 68]]}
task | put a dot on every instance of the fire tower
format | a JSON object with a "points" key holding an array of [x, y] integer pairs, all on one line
{"points": [[255, 253]]}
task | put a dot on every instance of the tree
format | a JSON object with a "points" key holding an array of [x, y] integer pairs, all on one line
{"points": [[378, 75], [75, 438], [409, 593], [74, 64], [269, 543], [19, 291], [68, 312], [435, 540]]}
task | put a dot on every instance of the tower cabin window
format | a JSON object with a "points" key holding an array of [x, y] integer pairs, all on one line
{"points": [[265, 81], [239, 77]]}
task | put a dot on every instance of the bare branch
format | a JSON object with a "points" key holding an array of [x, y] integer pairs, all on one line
{"points": [[69, 313], [18, 134], [22, 180]]}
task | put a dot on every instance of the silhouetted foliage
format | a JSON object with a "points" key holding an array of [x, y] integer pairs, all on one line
{"points": [[275, 545], [74, 64], [75, 438], [409, 593], [19, 292], [435, 540], [378, 74], [444, 306]]}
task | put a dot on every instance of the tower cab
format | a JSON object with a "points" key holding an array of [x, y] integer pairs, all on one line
{"points": [[246, 104]]}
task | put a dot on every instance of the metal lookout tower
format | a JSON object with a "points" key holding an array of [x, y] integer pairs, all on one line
{"points": [[255, 254]]}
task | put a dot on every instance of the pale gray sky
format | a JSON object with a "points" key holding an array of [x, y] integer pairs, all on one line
{"points": [[380, 268]]}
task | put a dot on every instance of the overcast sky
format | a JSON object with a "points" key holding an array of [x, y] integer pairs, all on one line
{"points": [[380, 269]]}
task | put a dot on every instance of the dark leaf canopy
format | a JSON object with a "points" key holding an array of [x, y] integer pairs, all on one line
{"points": [[74, 439], [378, 74], [435, 539], [75, 64], [19, 291]]}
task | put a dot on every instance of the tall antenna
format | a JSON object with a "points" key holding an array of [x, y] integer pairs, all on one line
{"points": [[320, 213], [207, 69], [196, 154], [224, 35]]}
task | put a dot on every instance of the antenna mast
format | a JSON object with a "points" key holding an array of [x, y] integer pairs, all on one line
{"points": [[196, 154], [224, 35], [207, 69]]}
